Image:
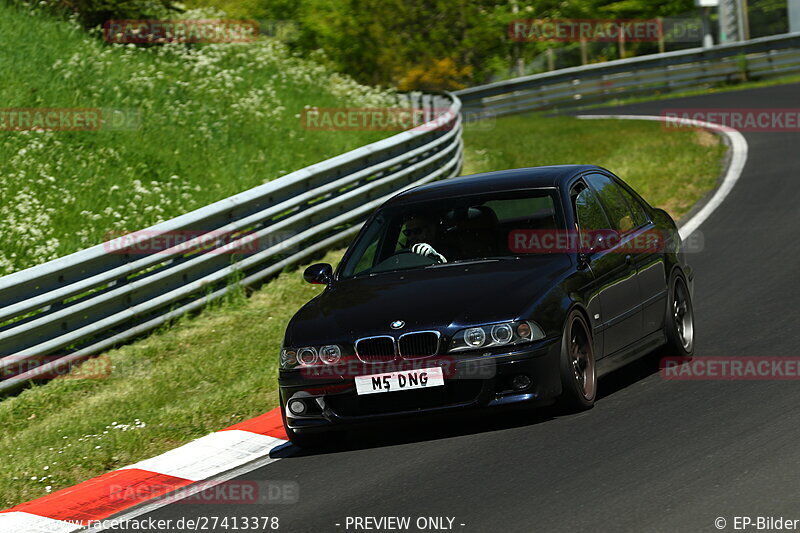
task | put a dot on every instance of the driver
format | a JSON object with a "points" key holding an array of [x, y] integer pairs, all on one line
{"points": [[420, 232]]}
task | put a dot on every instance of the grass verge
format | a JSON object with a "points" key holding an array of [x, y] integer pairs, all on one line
{"points": [[202, 374], [670, 169]]}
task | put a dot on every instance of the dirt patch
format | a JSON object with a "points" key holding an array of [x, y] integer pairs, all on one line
{"points": [[706, 138]]}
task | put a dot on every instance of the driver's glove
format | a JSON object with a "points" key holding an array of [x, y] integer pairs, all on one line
{"points": [[426, 250]]}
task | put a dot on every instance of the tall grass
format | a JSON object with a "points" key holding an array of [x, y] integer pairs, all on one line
{"points": [[211, 121]]}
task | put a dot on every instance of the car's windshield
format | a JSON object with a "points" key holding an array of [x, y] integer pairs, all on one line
{"points": [[450, 230]]}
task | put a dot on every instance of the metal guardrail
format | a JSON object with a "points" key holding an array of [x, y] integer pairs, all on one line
{"points": [[81, 304], [766, 57]]}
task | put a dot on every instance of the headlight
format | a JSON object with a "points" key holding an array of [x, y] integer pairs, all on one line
{"points": [[288, 358], [475, 337], [494, 335], [330, 354], [502, 333], [307, 356]]}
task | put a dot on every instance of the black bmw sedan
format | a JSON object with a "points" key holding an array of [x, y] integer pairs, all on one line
{"points": [[523, 285]]}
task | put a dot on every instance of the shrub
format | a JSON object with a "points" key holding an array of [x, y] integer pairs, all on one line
{"points": [[93, 13]]}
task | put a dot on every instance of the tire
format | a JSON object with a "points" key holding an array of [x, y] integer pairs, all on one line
{"points": [[577, 365], [679, 318]]}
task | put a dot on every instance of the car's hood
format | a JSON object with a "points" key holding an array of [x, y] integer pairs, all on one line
{"points": [[441, 297]]}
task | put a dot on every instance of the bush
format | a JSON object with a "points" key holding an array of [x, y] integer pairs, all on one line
{"points": [[440, 74], [94, 13]]}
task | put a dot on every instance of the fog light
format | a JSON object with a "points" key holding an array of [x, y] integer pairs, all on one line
{"points": [[521, 382], [297, 407]]}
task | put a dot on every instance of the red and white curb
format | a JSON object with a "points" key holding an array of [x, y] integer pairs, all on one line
{"points": [[209, 457]]}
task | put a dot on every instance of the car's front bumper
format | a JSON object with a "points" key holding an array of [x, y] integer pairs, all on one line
{"points": [[470, 382]]}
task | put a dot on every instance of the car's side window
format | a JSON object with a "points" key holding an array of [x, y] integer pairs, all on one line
{"points": [[367, 261], [640, 217], [367, 250], [622, 218], [588, 212]]}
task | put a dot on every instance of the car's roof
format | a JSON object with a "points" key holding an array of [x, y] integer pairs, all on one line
{"points": [[503, 180]]}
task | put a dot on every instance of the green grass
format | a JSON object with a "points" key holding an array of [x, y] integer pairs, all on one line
{"points": [[214, 120], [203, 374], [672, 169]]}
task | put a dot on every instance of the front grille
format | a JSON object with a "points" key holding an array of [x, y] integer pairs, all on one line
{"points": [[375, 349], [422, 344]]}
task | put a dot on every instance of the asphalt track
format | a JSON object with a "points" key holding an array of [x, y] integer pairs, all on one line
{"points": [[653, 455]]}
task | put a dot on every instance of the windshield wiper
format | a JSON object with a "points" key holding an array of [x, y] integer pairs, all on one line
{"points": [[476, 260]]}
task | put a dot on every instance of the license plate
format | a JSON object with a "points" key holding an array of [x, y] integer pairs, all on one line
{"points": [[423, 378]]}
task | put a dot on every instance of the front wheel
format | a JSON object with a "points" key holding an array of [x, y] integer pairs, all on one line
{"points": [[578, 375], [679, 319]]}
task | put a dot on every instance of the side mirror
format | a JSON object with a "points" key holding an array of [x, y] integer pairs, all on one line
{"points": [[319, 274]]}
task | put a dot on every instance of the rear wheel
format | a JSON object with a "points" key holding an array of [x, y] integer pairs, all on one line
{"points": [[578, 374], [679, 319]]}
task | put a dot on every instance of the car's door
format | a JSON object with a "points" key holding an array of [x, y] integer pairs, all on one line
{"points": [[649, 261], [614, 272], [622, 302]]}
